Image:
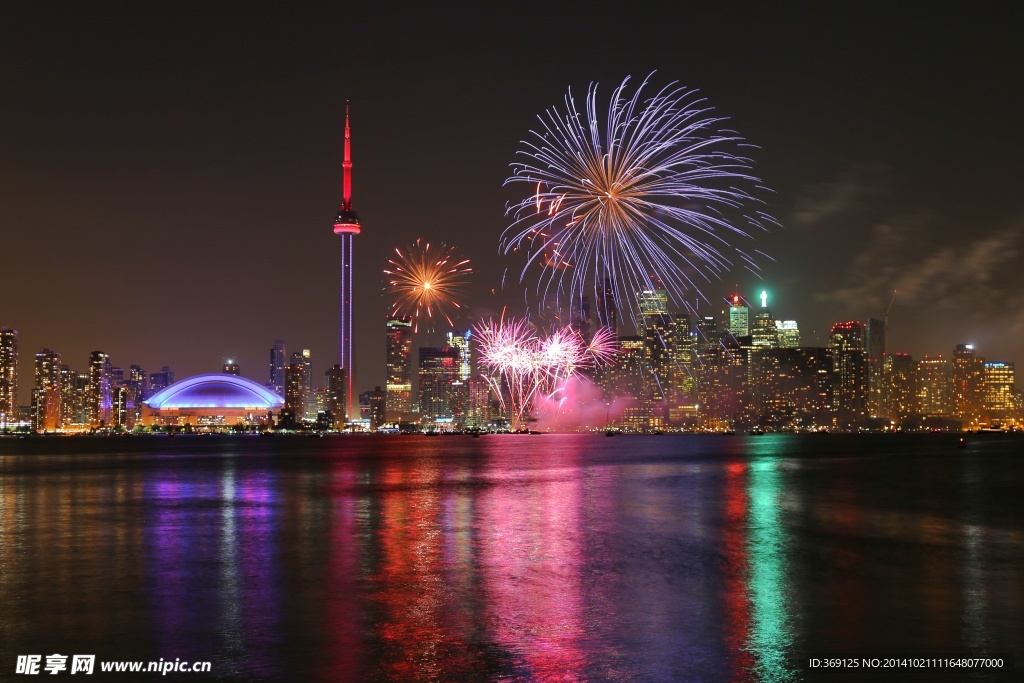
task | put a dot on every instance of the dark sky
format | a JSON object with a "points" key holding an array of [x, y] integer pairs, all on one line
{"points": [[169, 172]]}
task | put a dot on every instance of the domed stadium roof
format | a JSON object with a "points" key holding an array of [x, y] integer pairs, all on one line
{"points": [[215, 390]]}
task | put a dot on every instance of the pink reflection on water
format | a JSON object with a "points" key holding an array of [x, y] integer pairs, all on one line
{"points": [[531, 556]]}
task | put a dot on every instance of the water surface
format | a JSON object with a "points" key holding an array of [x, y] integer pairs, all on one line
{"points": [[534, 557]]}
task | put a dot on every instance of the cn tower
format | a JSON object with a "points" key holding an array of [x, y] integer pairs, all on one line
{"points": [[346, 224]]}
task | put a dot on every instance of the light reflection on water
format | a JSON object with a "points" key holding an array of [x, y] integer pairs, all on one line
{"points": [[518, 557]]}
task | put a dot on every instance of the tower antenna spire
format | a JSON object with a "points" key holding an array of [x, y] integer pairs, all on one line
{"points": [[346, 165]]}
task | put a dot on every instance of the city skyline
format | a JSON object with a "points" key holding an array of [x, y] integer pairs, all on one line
{"points": [[155, 216]]}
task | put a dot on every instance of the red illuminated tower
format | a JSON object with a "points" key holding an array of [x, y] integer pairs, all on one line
{"points": [[346, 224]]}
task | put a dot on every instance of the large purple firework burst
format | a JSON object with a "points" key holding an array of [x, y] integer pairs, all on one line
{"points": [[654, 193]]}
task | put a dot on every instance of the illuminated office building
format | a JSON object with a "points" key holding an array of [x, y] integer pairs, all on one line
{"points": [[69, 403], [999, 395], [398, 388], [788, 333], [764, 334], [739, 317], [439, 367], [682, 395], [460, 341]]}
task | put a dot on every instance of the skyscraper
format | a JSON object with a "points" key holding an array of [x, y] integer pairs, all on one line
{"points": [[277, 363], [398, 401], [438, 368], [849, 356], [8, 375], [459, 340], [160, 380], [764, 334], [337, 399], [968, 385], [874, 346], [934, 384], [999, 403], [789, 334], [607, 310], [901, 386], [305, 359], [346, 224], [659, 366], [739, 316], [294, 393]]}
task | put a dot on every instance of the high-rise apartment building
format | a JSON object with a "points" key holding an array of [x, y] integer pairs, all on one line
{"points": [[934, 386], [46, 411], [100, 397], [479, 414], [398, 387], [337, 399], [294, 393], [849, 357], [305, 359], [8, 375], [160, 380], [874, 347], [277, 366], [968, 385], [901, 386], [69, 402]]}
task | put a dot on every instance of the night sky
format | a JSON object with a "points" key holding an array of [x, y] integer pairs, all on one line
{"points": [[169, 172]]}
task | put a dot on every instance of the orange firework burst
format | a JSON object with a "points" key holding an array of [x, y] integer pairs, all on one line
{"points": [[425, 280]]}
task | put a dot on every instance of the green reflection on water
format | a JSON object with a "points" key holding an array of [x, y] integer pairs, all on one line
{"points": [[771, 635]]}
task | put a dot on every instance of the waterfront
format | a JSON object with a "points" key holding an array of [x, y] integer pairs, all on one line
{"points": [[566, 557]]}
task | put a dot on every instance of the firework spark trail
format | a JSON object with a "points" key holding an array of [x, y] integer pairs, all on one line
{"points": [[523, 365], [651, 195], [425, 281]]}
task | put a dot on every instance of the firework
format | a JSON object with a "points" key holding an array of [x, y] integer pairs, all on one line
{"points": [[656, 191], [425, 282], [522, 365]]}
